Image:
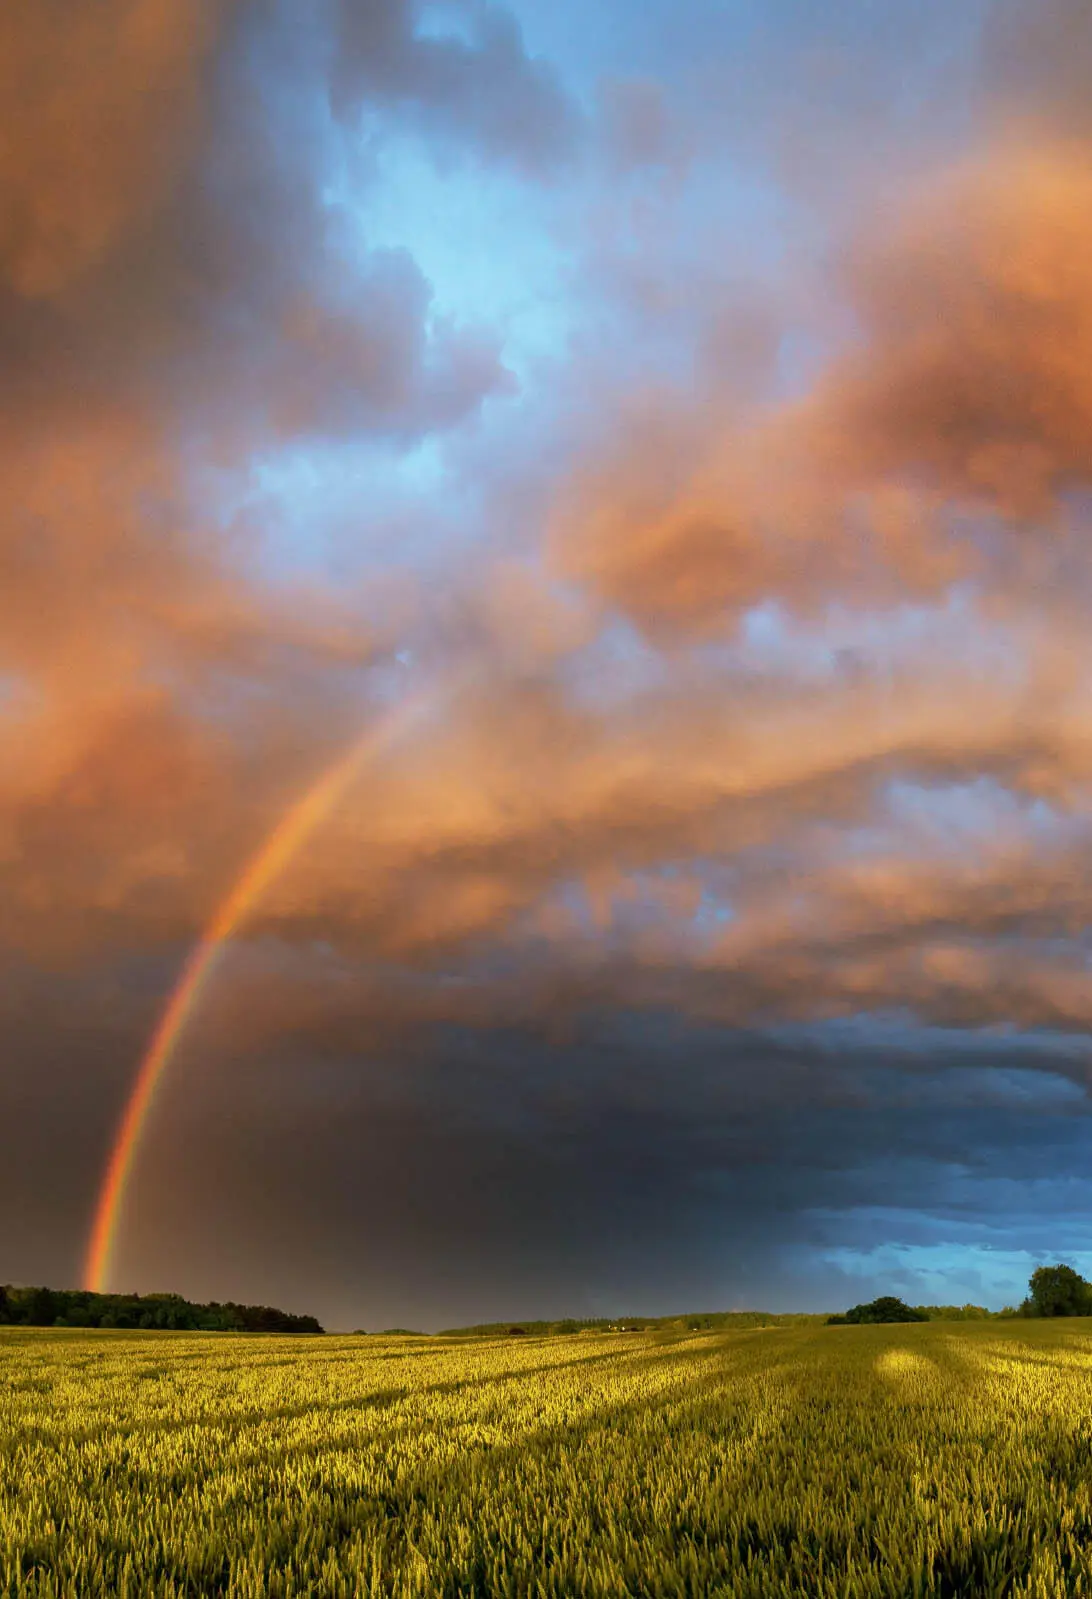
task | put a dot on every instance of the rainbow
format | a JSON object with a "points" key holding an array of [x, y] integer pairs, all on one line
{"points": [[291, 832]]}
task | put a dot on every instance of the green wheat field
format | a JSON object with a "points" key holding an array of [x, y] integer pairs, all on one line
{"points": [[904, 1460]]}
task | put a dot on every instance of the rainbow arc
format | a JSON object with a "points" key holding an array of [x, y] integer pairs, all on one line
{"points": [[261, 871]]}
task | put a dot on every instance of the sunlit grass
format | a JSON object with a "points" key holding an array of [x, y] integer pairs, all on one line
{"points": [[931, 1459]]}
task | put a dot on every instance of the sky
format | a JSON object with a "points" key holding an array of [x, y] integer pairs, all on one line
{"points": [[673, 424]]}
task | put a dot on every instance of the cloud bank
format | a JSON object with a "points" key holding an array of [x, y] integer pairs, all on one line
{"points": [[727, 927]]}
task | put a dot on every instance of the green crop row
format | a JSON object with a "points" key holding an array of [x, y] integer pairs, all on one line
{"points": [[940, 1459]]}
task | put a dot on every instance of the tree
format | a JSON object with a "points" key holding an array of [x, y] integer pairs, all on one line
{"points": [[34, 1307], [885, 1309], [1059, 1291]]}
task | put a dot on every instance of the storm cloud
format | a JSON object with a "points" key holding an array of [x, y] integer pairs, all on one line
{"points": [[714, 471]]}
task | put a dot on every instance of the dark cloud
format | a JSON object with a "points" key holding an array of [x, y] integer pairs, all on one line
{"points": [[634, 1168], [476, 83]]}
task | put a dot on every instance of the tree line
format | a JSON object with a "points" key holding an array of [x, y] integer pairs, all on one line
{"points": [[78, 1307], [1052, 1291]]}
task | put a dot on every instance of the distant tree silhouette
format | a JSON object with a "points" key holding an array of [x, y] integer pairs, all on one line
{"points": [[77, 1307], [1058, 1291], [884, 1309]]}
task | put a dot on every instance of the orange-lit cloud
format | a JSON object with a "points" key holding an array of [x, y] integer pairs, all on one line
{"points": [[105, 97]]}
